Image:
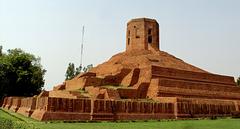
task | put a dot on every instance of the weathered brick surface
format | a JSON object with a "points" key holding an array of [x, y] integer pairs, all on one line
{"points": [[197, 85], [179, 83], [192, 76], [62, 109], [60, 87], [8, 102], [128, 93], [16, 102], [5, 101], [58, 108], [98, 109], [131, 78], [28, 105], [138, 33], [64, 94], [204, 108], [189, 93], [112, 94]]}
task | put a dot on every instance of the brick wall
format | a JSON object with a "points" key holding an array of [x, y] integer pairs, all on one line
{"points": [[42, 103], [48, 108], [131, 110], [192, 76], [69, 105], [128, 93], [179, 83], [206, 108], [16, 102], [28, 105], [191, 93], [197, 85], [6, 101]]}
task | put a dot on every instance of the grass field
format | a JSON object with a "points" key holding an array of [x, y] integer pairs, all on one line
{"points": [[226, 123]]}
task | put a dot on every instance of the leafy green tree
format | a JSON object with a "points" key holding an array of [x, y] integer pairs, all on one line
{"points": [[86, 69], [238, 81], [78, 70], [71, 72], [21, 74], [0, 50]]}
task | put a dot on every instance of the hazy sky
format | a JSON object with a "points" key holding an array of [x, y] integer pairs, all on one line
{"points": [[205, 33]]}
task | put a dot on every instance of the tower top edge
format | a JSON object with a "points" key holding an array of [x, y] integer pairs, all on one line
{"points": [[142, 20]]}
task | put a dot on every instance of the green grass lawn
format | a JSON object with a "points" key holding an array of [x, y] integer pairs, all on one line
{"points": [[226, 123]]}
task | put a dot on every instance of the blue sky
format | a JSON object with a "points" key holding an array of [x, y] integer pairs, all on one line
{"points": [[205, 33]]}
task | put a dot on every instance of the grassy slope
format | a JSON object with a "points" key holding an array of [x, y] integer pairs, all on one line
{"points": [[189, 124], [4, 115], [18, 121], [186, 124]]}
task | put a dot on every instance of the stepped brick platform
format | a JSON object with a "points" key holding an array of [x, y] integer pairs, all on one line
{"points": [[28, 105], [141, 83], [48, 108]]}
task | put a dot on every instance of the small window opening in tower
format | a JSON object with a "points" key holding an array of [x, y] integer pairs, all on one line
{"points": [[150, 39], [149, 31], [128, 36], [136, 32]]}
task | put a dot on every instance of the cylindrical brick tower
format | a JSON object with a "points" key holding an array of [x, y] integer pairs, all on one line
{"points": [[142, 33]]}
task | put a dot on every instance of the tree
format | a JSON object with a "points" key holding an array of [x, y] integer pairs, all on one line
{"points": [[0, 50], [238, 81], [78, 70], [71, 72], [21, 74], [86, 69]]}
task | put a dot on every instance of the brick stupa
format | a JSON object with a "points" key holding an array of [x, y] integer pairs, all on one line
{"points": [[141, 83]]}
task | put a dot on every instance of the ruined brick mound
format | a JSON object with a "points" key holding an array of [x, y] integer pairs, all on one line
{"points": [[138, 84], [152, 74], [142, 59], [130, 69]]}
